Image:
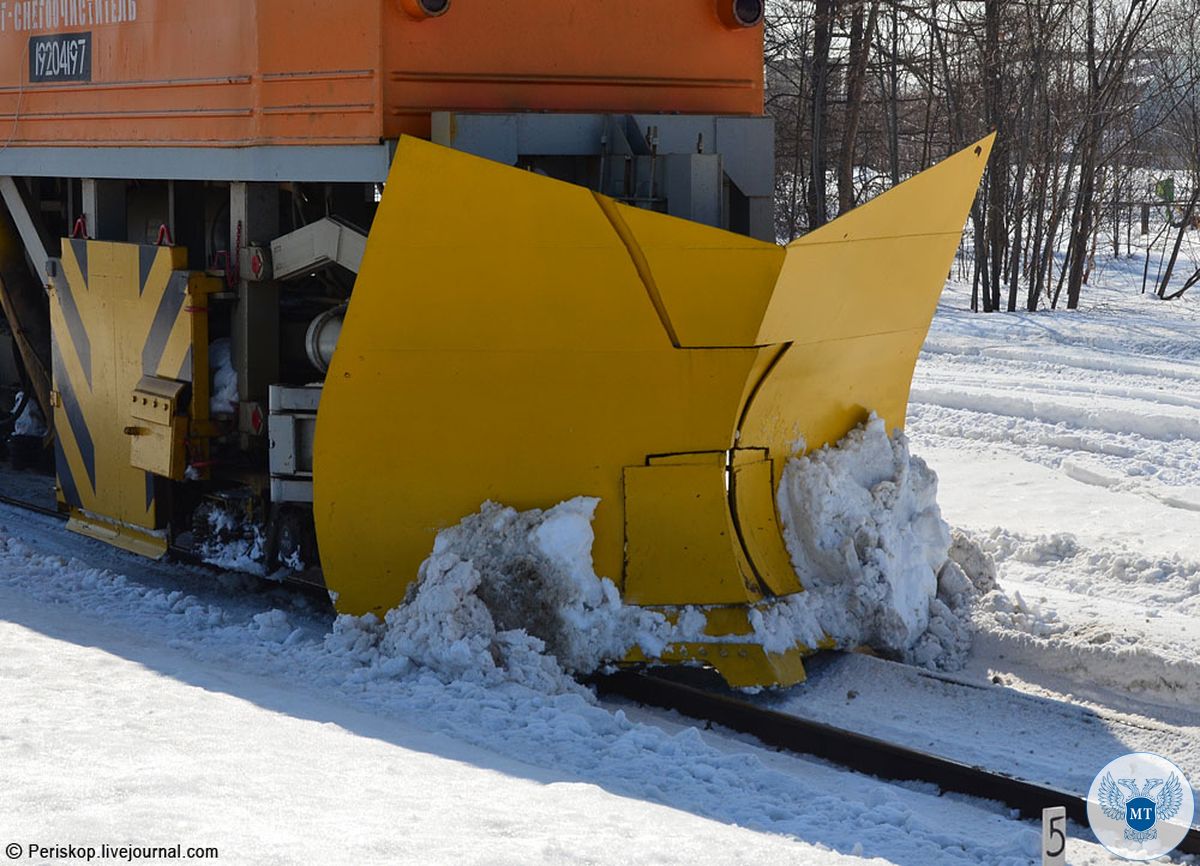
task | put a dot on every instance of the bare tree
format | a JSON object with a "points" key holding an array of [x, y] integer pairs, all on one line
{"points": [[862, 32], [1107, 63], [818, 211], [1083, 96]]}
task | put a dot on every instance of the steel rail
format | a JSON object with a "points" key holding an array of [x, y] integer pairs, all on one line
{"points": [[854, 751], [29, 506]]}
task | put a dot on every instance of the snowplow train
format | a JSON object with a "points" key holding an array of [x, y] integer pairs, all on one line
{"points": [[298, 303]]}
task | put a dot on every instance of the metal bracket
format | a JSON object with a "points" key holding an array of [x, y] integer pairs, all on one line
{"points": [[292, 427]]}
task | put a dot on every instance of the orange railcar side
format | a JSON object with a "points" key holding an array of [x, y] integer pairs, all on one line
{"points": [[236, 73]]}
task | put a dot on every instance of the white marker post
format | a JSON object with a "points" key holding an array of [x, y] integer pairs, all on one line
{"points": [[1054, 836]]}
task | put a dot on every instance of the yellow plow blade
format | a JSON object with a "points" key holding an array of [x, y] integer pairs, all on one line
{"points": [[522, 340]]}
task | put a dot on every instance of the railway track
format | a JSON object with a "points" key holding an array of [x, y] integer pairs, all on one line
{"points": [[309, 582], [854, 751], [29, 506]]}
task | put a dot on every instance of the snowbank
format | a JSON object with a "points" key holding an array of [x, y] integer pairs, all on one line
{"points": [[867, 539], [1109, 621]]}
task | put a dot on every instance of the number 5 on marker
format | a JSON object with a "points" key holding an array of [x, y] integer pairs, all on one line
{"points": [[1054, 836]]}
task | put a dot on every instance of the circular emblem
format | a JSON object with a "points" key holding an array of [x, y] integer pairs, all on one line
{"points": [[1140, 806]]}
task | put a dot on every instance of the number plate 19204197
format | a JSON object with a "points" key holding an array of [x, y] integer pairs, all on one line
{"points": [[61, 57]]}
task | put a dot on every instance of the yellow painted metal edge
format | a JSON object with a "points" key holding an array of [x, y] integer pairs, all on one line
{"points": [[127, 538], [741, 665]]}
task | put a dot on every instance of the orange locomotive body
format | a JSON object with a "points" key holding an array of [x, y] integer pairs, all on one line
{"points": [[238, 73]]}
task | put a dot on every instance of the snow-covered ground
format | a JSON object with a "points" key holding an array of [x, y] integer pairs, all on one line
{"points": [[155, 705], [1069, 445], [161, 709]]}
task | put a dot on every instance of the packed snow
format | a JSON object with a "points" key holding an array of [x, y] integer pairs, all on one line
{"points": [[180, 719], [863, 528], [982, 723], [1075, 464], [510, 596], [530, 573]]}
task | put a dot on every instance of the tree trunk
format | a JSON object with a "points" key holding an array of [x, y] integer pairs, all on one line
{"points": [[818, 213], [1183, 227], [997, 228], [894, 102], [861, 36]]}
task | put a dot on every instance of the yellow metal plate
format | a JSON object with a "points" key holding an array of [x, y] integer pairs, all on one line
{"points": [[531, 364], [882, 266], [715, 286], [681, 544], [148, 544], [116, 315], [754, 509]]}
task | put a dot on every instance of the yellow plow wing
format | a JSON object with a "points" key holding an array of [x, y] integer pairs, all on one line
{"points": [[522, 340]]}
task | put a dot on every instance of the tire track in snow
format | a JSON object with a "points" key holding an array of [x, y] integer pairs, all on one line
{"points": [[1109, 417]]}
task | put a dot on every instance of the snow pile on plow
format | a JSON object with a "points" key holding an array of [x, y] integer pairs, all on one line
{"points": [[511, 596], [877, 560]]}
